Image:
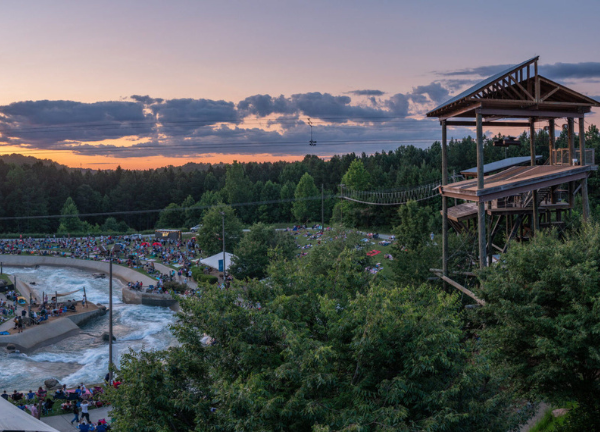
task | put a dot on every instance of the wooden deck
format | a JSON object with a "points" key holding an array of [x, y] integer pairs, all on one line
{"points": [[462, 212], [516, 180]]}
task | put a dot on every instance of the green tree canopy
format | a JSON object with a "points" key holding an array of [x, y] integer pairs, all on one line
{"points": [[210, 235], [253, 252], [327, 349], [357, 177], [171, 217], [305, 209], [541, 320], [71, 223]]}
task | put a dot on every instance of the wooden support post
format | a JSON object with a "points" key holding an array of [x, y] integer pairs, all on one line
{"points": [[571, 135], [571, 138], [535, 226], [444, 201], [584, 185], [532, 140], [489, 236], [480, 184], [552, 140]]}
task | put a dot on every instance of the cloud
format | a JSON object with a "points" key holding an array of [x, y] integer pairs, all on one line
{"points": [[189, 114], [45, 123], [146, 100], [398, 104], [483, 71], [571, 70], [264, 105], [436, 92], [313, 104], [194, 127], [456, 84], [366, 92], [558, 71]]}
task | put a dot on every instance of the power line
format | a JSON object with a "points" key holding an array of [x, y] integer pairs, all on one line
{"points": [[215, 147], [66, 127], [179, 209]]}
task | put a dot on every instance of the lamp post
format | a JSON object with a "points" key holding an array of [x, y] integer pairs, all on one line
{"points": [[224, 272], [110, 319]]}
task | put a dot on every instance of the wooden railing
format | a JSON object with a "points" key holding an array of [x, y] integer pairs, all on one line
{"points": [[561, 156]]}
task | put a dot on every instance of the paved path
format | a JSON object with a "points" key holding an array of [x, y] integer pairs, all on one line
{"points": [[63, 422], [167, 270]]}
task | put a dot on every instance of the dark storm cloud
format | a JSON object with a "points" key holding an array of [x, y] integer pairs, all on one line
{"points": [[146, 100], [398, 104], [331, 139], [182, 115], [436, 92], [264, 105], [195, 127], [45, 123], [558, 71], [313, 104], [571, 70], [366, 92]]}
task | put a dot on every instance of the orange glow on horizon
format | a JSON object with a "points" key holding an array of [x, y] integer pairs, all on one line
{"points": [[143, 163]]}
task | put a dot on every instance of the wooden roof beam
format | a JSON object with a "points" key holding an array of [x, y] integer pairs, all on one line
{"points": [[518, 84], [459, 111], [488, 123], [531, 113]]}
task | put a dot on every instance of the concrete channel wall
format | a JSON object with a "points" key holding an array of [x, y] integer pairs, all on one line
{"points": [[52, 332], [123, 273]]}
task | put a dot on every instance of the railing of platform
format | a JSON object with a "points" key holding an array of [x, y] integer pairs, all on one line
{"points": [[561, 156]]}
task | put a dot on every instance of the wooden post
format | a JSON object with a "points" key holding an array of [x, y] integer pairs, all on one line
{"points": [[551, 140], [444, 201], [584, 185], [571, 132], [489, 235], [480, 184], [532, 140], [571, 137]]}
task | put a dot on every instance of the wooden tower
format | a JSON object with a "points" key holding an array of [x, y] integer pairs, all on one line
{"points": [[526, 198]]}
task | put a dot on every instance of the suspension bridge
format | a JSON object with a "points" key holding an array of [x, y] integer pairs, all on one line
{"points": [[395, 197]]}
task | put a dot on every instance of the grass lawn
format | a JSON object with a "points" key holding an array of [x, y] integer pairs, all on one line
{"points": [[372, 244], [7, 278]]}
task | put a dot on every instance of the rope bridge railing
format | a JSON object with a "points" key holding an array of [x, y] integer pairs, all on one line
{"points": [[398, 197]]}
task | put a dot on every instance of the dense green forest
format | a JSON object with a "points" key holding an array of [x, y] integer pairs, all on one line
{"points": [[41, 189]]}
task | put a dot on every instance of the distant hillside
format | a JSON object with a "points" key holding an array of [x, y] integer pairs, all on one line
{"points": [[19, 159]]}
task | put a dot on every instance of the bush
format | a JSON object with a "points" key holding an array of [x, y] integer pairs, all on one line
{"points": [[199, 276], [175, 286]]}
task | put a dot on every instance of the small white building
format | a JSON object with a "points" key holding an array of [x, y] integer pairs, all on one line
{"points": [[213, 261]]}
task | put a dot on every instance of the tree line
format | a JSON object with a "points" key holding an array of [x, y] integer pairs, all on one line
{"points": [[40, 189]]}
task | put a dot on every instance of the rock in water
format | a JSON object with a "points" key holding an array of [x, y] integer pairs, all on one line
{"points": [[106, 336], [51, 384]]}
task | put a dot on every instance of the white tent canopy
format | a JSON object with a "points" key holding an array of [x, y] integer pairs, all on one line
{"points": [[13, 419], [213, 261]]}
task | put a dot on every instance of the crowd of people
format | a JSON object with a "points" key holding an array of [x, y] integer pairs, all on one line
{"points": [[127, 249], [77, 401]]}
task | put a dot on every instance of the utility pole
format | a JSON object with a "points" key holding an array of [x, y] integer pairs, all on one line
{"points": [[342, 203], [110, 319], [322, 211], [224, 273]]}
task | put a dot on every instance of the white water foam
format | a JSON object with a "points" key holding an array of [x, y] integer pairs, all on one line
{"points": [[84, 358]]}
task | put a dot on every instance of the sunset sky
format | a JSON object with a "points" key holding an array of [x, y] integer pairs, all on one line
{"points": [[144, 84]]}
